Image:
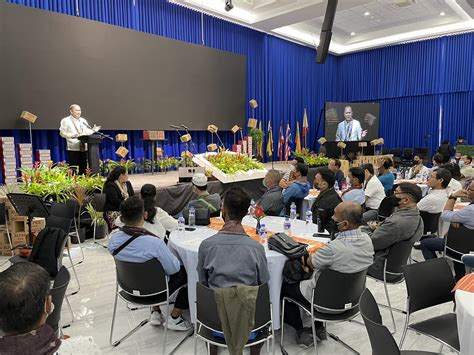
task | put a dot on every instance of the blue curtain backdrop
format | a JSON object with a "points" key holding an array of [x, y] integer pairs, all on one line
{"points": [[412, 82]]}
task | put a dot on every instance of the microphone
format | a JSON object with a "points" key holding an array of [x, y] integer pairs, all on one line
{"points": [[175, 127], [186, 128]]}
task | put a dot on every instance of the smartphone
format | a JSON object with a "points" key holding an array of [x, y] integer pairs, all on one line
{"points": [[189, 229]]}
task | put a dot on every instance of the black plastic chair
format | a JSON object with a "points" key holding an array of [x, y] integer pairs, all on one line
{"points": [[459, 241], [335, 292], [381, 340], [58, 292], [407, 154], [430, 223], [385, 151], [3, 222], [299, 207], [134, 286], [207, 318], [392, 271], [385, 209], [429, 284]]}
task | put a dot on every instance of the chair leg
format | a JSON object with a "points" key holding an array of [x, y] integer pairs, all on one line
{"points": [[196, 339], [313, 329], [75, 274], [113, 319], [282, 324], [388, 301], [70, 310], [95, 241], [166, 326], [405, 330], [336, 338]]}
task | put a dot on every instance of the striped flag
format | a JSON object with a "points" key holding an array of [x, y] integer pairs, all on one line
{"points": [[287, 141], [270, 140], [260, 145], [281, 142], [298, 139], [305, 128]]}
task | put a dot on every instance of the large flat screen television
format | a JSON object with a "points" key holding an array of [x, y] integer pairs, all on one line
{"points": [[351, 121]]}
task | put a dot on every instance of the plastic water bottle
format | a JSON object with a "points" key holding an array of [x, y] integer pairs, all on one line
{"points": [[292, 211], [399, 175], [181, 226], [287, 226], [252, 207], [348, 182], [309, 216], [192, 216], [336, 186], [262, 233]]}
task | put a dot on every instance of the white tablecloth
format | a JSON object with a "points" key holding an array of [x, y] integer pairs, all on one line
{"points": [[186, 249], [465, 318]]}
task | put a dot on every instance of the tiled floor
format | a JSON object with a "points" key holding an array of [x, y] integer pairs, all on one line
{"points": [[93, 307]]}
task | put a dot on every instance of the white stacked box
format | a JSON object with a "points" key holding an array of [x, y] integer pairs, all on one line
{"points": [[8, 159], [25, 152], [43, 155]]}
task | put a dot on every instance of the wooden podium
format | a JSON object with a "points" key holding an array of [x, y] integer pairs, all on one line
{"points": [[92, 142]]}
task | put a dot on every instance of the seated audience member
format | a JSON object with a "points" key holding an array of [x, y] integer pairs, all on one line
{"points": [[446, 151], [204, 199], [467, 170], [455, 184], [356, 192], [327, 199], [457, 158], [25, 304], [404, 224], [385, 175], [288, 177], [271, 201], [461, 141], [335, 166], [157, 221], [146, 247], [418, 168], [430, 246], [116, 189], [230, 258], [437, 196], [350, 252], [373, 188], [437, 161], [300, 187]]}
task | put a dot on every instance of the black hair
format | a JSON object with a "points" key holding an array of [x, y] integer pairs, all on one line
{"points": [[202, 188], [445, 141], [150, 209], [23, 291], [454, 169], [387, 163], [299, 160], [358, 173], [369, 167], [412, 190], [327, 175], [444, 174], [468, 157], [302, 168], [438, 158], [115, 173], [131, 210], [236, 203], [461, 137], [148, 190], [337, 162]]}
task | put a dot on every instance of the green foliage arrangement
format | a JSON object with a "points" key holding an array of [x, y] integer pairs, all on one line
{"points": [[230, 163], [312, 159], [465, 149]]}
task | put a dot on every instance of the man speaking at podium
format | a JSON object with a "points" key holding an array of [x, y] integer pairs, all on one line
{"points": [[72, 127], [349, 129]]}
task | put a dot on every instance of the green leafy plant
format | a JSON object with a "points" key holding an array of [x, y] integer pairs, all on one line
{"points": [[230, 163], [312, 159], [257, 136], [96, 217], [465, 149]]}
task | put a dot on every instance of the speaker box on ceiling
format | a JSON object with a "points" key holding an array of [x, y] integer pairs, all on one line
{"points": [[326, 32]]}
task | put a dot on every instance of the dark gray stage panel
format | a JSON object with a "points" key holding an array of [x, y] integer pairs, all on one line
{"points": [[123, 79]]}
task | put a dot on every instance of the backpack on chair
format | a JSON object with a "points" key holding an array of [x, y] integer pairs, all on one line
{"points": [[48, 248]]}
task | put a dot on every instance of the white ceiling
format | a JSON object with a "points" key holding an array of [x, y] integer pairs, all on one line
{"points": [[358, 25]]}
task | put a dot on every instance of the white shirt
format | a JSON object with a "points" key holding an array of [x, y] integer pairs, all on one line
{"points": [[434, 201], [423, 170], [374, 193], [453, 186], [349, 131], [71, 127]]}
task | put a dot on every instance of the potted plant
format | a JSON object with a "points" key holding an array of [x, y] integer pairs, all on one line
{"points": [[257, 137], [97, 219], [81, 196]]}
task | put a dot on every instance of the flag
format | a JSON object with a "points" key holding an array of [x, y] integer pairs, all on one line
{"points": [[305, 128], [297, 139], [270, 140], [260, 145], [281, 141], [287, 141]]}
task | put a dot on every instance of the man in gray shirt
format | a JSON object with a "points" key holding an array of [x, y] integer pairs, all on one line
{"points": [[271, 200], [350, 252]]}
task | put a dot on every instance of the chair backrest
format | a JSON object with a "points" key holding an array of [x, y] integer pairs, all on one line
{"points": [[397, 152], [206, 307], [64, 210], [3, 214], [337, 291], [398, 256], [459, 241], [385, 151], [385, 209], [61, 282], [299, 207], [430, 222], [59, 222], [381, 340], [429, 283], [48, 249], [408, 153], [99, 202], [141, 279]]}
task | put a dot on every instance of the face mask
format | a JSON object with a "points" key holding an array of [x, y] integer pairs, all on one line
{"points": [[264, 183], [395, 201], [461, 163], [417, 162]]}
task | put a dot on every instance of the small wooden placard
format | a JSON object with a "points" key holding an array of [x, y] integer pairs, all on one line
{"points": [[252, 123], [235, 129], [186, 154], [322, 140], [121, 137], [341, 145], [212, 128], [122, 152], [362, 144], [253, 103], [185, 138], [212, 147], [153, 135], [28, 116], [159, 152]]}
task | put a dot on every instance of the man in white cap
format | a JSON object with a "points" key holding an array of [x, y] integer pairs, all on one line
{"points": [[204, 199]]}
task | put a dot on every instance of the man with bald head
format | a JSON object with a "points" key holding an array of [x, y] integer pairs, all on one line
{"points": [[349, 129], [271, 201], [351, 251], [72, 127]]}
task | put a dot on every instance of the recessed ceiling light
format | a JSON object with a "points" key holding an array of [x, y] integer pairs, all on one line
{"points": [[353, 33], [442, 13], [366, 13]]}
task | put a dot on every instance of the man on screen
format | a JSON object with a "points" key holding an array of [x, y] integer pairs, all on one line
{"points": [[349, 129], [71, 128]]}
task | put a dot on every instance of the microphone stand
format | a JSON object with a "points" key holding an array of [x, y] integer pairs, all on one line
{"points": [[193, 148]]}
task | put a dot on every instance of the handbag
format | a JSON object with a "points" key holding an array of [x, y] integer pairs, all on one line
{"points": [[293, 270], [202, 216]]}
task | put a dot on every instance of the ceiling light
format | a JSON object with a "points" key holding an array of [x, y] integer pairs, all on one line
{"points": [[366, 13], [442, 13], [353, 33]]}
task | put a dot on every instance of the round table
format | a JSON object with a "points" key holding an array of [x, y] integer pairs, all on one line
{"points": [[186, 250], [465, 319]]}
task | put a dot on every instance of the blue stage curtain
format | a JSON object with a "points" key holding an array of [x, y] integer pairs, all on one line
{"points": [[458, 116]]}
